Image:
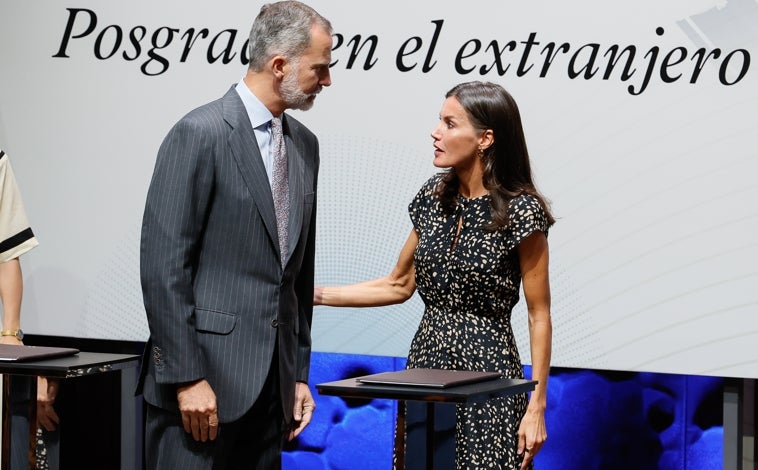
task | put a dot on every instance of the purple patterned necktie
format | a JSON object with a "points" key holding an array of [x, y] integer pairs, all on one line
{"points": [[280, 185]]}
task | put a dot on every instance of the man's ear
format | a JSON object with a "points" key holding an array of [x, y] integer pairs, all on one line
{"points": [[278, 63]]}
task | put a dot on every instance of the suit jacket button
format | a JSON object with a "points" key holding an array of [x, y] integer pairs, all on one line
{"points": [[274, 322]]}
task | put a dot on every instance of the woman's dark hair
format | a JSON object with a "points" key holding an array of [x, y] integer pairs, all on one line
{"points": [[507, 173]]}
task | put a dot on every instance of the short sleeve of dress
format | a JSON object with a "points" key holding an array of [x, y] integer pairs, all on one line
{"points": [[16, 237], [419, 207], [526, 217]]}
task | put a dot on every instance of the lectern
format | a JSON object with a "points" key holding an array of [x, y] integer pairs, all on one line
{"points": [[82, 364], [470, 393]]}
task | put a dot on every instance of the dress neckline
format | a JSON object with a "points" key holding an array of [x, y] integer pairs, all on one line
{"points": [[463, 198]]}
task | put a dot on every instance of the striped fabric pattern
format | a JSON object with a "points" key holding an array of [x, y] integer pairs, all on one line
{"points": [[218, 298]]}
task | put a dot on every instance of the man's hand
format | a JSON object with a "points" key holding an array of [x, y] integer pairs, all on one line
{"points": [[47, 391], [303, 411], [197, 403]]}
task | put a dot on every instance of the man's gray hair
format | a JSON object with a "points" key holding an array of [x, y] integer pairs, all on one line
{"points": [[283, 28]]}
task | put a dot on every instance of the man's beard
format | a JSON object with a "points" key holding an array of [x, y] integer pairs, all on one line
{"points": [[293, 96]]}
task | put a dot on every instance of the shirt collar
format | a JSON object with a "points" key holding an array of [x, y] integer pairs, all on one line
{"points": [[258, 114]]}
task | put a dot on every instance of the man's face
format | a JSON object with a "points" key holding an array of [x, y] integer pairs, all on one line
{"points": [[309, 73]]}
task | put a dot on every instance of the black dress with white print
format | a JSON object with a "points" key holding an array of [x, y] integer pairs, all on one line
{"points": [[469, 284]]}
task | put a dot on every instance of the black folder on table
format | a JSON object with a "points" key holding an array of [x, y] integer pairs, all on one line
{"points": [[434, 378], [19, 353]]}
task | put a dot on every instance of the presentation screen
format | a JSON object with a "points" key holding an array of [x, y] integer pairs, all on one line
{"points": [[640, 119]]}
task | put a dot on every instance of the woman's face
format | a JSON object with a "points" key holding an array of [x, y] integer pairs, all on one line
{"points": [[455, 140]]}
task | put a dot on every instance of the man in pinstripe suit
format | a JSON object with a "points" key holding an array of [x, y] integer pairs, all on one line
{"points": [[226, 367]]}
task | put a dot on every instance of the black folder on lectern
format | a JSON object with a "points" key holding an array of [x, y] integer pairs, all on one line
{"points": [[19, 353], [434, 378]]}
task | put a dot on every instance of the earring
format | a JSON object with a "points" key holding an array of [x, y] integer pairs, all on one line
{"points": [[480, 153]]}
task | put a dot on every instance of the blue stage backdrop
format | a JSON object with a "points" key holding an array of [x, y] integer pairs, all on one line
{"points": [[596, 420]]}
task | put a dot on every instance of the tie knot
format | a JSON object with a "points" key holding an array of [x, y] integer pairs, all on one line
{"points": [[276, 124]]}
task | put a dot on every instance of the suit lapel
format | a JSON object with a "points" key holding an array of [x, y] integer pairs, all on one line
{"points": [[249, 161]]}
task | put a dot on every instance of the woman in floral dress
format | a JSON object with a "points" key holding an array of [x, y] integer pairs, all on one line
{"points": [[479, 234]]}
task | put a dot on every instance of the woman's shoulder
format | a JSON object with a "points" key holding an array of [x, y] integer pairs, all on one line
{"points": [[525, 202], [527, 209], [424, 199], [432, 183], [430, 186]]}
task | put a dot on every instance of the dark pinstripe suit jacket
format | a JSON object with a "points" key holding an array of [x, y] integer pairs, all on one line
{"points": [[216, 294]]}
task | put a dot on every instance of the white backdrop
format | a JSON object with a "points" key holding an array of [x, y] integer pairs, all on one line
{"points": [[653, 180]]}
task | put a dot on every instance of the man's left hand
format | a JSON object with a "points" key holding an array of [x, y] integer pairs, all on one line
{"points": [[303, 411]]}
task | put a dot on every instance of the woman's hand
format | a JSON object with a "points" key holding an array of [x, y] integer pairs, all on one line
{"points": [[47, 391], [11, 340], [318, 295], [532, 434]]}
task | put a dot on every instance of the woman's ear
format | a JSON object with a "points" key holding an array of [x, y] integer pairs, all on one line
{"points": [[486, 139]]}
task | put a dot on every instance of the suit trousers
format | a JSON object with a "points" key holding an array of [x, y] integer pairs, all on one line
{"points": [[254, 441]]}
